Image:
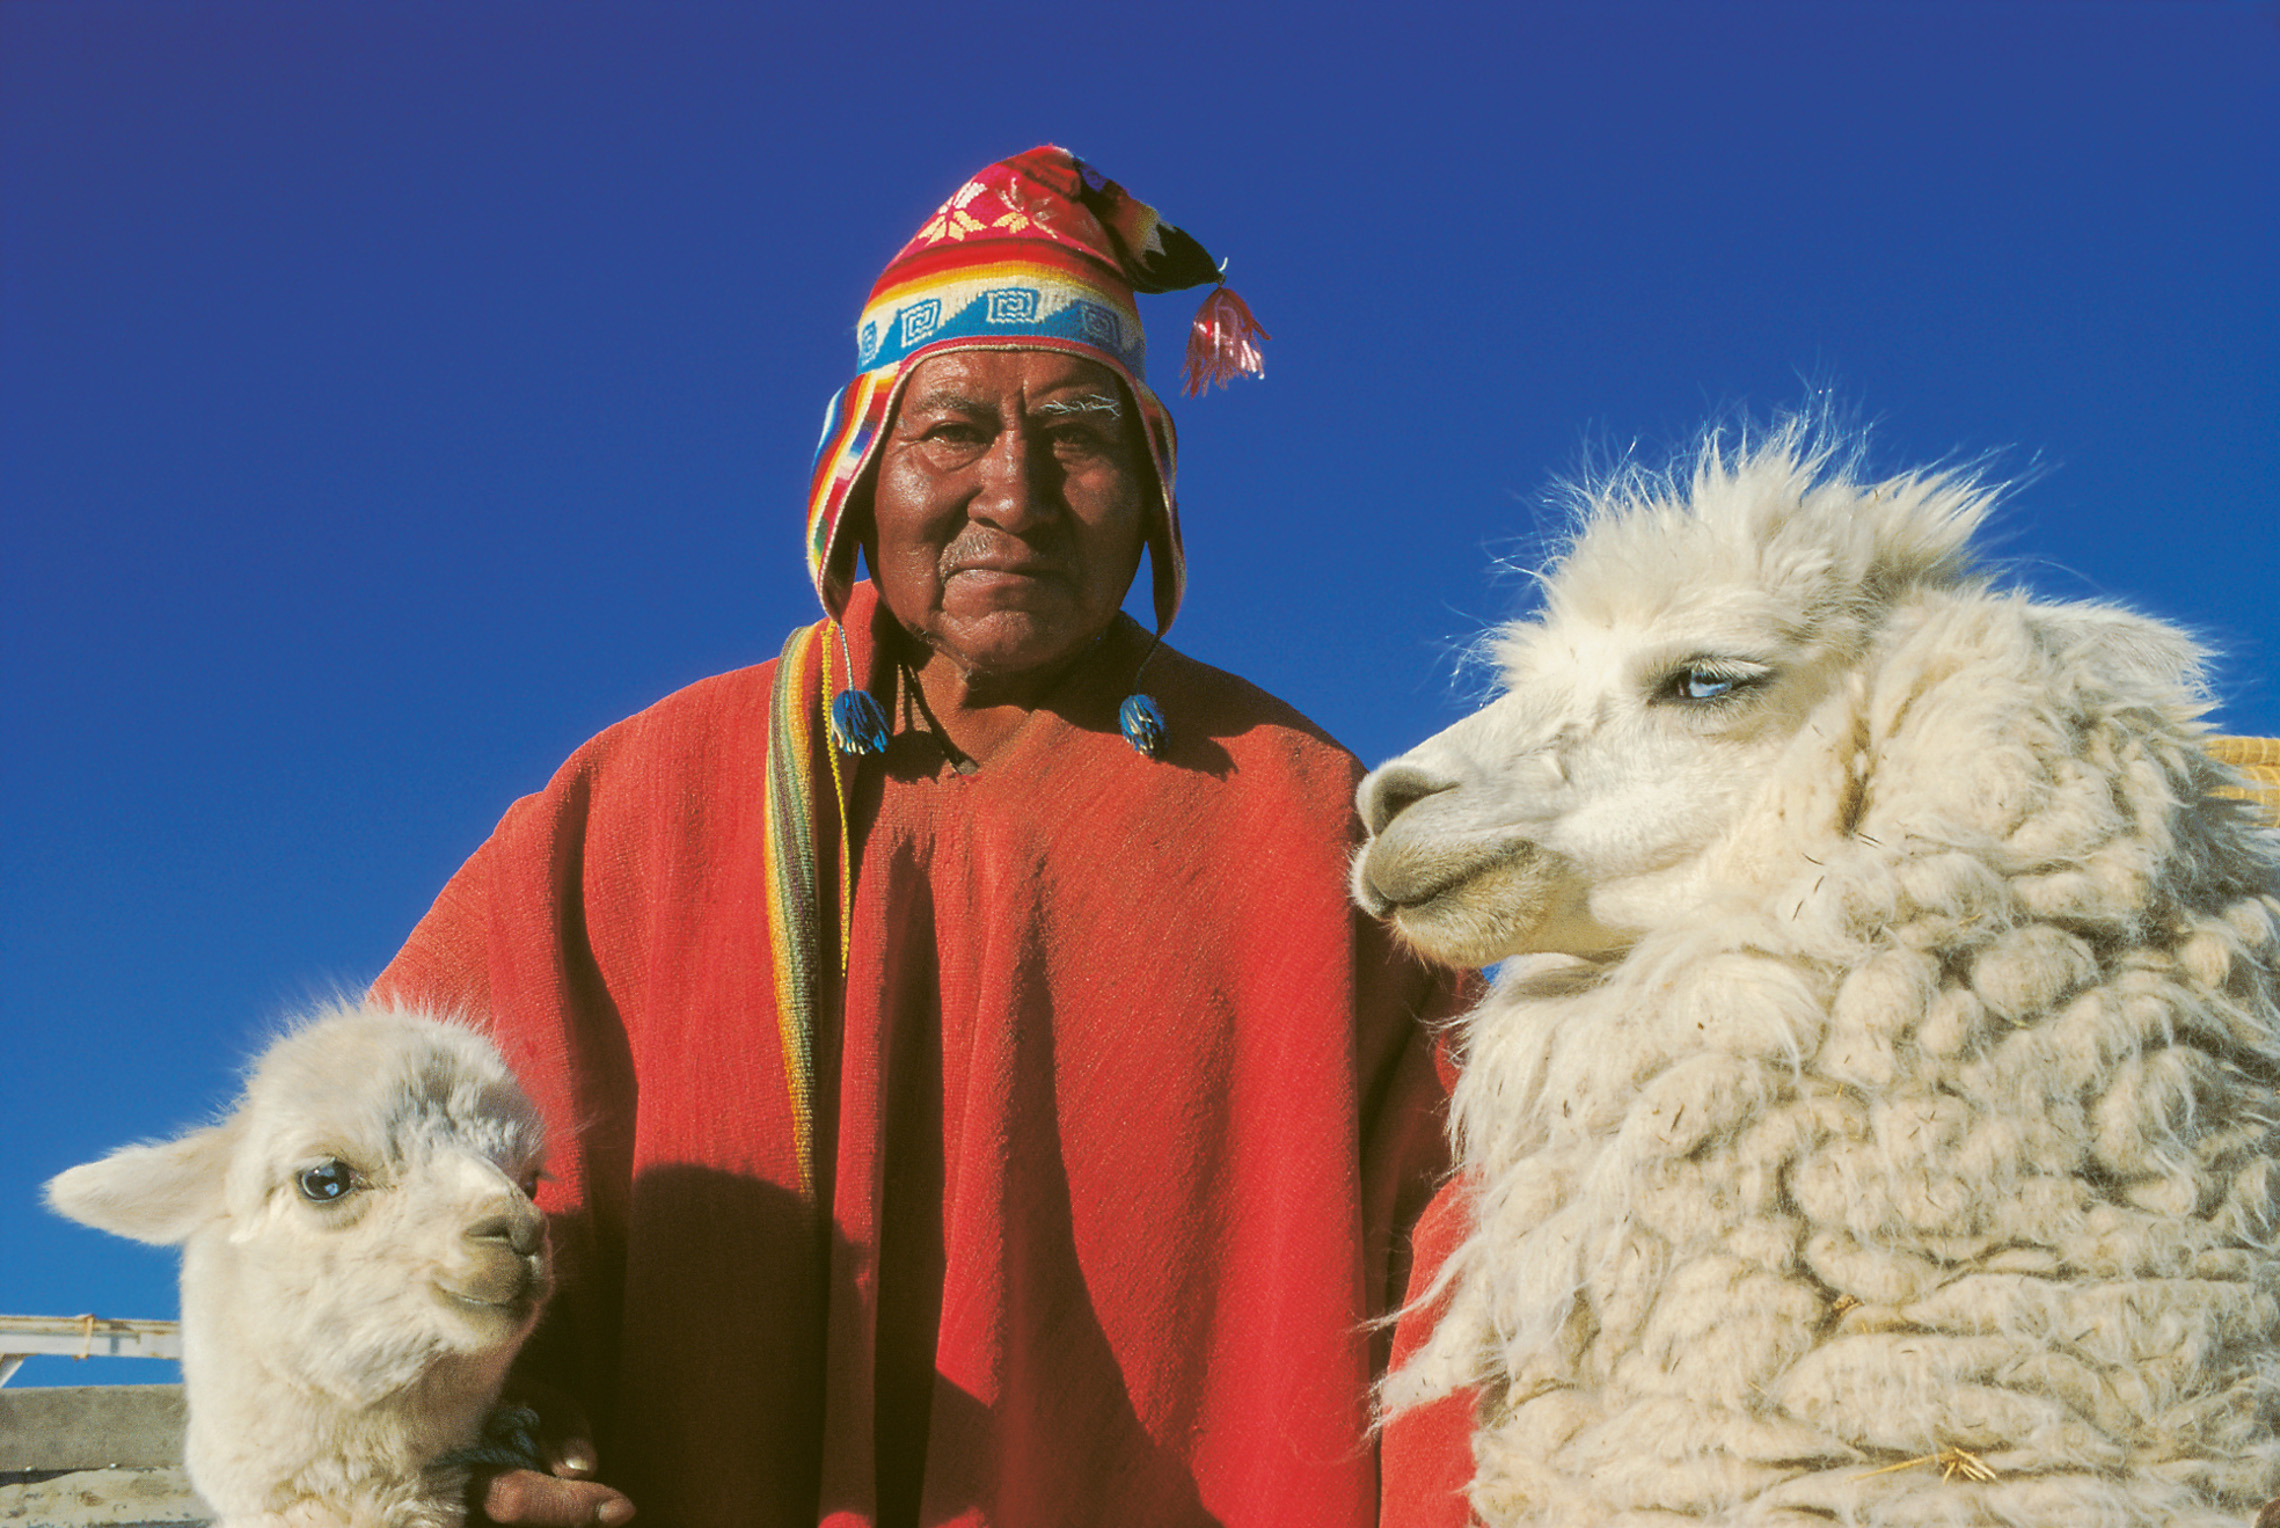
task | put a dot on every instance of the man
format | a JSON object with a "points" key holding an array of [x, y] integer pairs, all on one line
{"points": [[973, 1098]]}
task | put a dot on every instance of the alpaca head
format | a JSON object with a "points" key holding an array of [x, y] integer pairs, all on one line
{"points": [[362, 1216], [1693, 634]]}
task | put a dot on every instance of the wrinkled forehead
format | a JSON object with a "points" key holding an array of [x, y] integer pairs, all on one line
{"points": [[1044, 381]]}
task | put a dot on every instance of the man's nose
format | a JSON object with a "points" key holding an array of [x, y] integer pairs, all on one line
{"points": [[1017, 489]]}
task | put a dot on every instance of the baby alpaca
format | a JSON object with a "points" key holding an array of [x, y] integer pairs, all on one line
{"points": [[361, 1260], [1874, 1119]]}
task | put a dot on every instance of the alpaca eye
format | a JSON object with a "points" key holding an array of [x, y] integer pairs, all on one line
{"points": [[327, 1181], [1699, 683], [529, 1186]]}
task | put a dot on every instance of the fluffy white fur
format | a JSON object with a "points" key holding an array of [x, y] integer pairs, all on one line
{"points": [[1883, 1071], [335, 1349]]}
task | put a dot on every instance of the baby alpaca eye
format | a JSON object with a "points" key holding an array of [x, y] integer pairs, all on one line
{"points": [[529, 1186], [1701, 684], [329, 1180]]}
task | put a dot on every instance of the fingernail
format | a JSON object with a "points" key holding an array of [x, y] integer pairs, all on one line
{"points": [[577, 1459], [612, 1513]]}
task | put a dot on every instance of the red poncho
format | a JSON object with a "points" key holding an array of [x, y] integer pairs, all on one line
{"points": [[1119, 1125], [1428, 1453]]}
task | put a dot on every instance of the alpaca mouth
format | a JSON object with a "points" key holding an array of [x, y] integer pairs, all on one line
{"points": [[510, 1292], [1409, 872], [1468, 900], [486, 1324]]}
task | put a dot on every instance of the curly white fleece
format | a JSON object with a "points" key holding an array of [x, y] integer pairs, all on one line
{"points": [[1935, 1127]]}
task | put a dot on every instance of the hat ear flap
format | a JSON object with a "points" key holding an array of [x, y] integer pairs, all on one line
{"points": [[1167, 568], [839, 490], [158, 1194], [1167, 556]]}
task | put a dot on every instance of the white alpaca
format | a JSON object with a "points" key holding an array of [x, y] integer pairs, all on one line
{"points": [[361, 1260], [1894, 1143]]}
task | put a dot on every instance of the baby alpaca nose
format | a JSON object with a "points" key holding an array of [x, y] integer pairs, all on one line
{"points": [[518, 1225], [1392, 789]]}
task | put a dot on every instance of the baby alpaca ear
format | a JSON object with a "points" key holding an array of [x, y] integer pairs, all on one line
{"points": [[156, 1194]]}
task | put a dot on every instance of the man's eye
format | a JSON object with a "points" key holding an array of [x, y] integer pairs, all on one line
{"points": [[1081, 440]]}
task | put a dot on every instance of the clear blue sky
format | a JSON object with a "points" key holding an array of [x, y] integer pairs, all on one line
{"points": [[393, 395]]}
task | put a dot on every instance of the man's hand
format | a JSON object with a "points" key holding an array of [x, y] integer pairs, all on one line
{"points": [[552, 1501], [567, 1496]]}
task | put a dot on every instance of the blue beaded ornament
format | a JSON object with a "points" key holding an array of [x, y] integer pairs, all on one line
{"points": [[1143, 723], [858, 724]]}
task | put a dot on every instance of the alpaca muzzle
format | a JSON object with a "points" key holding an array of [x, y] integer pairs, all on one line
{"points": [[503, 1257], [1462, 893]]}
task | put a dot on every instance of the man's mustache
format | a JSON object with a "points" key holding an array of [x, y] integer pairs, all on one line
{"points": [[1002, 552]]}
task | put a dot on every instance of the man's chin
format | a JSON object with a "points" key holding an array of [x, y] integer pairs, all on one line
{"points": [[1007, 641]]}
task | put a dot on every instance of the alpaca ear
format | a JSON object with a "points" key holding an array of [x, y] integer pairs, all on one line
{"points": [[1978, 712], [157, 1194], [2142, 659]]}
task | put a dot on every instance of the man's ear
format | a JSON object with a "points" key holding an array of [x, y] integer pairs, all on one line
{"points": [[158, 1194]]}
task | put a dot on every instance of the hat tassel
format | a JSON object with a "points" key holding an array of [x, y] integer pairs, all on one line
{"points": [[1223, 343]]}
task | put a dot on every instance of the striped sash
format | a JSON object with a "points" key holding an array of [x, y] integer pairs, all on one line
{"points": [[802, 820]]}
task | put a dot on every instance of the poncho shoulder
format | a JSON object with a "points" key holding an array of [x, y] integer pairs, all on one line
{"points": [[674, 777]]}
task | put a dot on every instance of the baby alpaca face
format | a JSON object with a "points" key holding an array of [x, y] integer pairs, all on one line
{"points": [[437, 1179], [362, 1221], [380, 1203], [361, 1261]]}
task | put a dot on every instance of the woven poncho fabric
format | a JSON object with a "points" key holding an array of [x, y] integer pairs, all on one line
{"points": [[1119, 1115]]}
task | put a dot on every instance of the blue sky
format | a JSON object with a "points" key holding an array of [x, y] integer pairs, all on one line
{"points": [[391, 396]]}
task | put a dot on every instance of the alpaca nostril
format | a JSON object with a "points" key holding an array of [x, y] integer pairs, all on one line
{"points": [[492, 1228], [1394, 789], [520, 1230]]}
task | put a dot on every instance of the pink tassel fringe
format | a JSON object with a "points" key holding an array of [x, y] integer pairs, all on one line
{"points": [[1223, 344]]}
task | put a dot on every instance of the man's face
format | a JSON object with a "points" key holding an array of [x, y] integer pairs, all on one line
{"points": [[1009, 509]]}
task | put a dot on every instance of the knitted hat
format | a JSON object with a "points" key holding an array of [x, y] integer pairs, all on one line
{"points": [[1037, 252]]}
